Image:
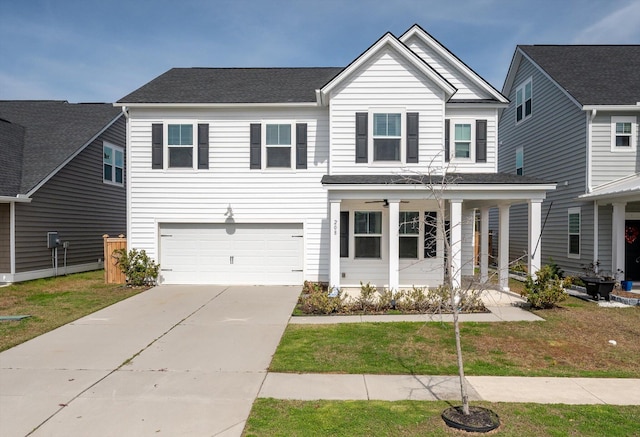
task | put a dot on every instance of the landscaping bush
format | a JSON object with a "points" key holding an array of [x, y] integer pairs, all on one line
{"points": [[315, 299], [138, 267], [546, 291]]}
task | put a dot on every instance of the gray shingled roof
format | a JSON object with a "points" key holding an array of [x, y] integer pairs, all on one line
{"points": [[234, 85], [413, 179], [592, 74], [42, 135]]}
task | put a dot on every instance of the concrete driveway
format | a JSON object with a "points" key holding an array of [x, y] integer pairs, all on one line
{"points": [[173, 361]]}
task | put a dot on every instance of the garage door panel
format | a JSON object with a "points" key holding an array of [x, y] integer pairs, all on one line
{"points": [[237, 254]]}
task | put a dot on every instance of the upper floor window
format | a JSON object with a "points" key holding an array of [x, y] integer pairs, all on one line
{"points": [[523, 101], [278, 145], [112, 164], [387, 136], [463, 135], [623, 133], [180, 145], [573, 233], [519, 161]]}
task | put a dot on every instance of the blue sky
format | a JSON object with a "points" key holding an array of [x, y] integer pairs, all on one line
{"points": [[99, 51]]}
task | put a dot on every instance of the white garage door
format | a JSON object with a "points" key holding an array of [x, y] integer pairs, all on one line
{"points": [[197, 253]]}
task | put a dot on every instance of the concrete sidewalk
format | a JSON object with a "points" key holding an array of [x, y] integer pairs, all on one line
{"points": [[432, 388], [175, 360]]}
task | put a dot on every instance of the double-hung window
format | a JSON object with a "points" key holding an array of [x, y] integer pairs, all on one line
{"points": [[278, 145], [574, 232], [180, 146], [462, 140], [112, 164], [387, 136], [409, 234], [368, 234], [523, 101], [624, 134]]}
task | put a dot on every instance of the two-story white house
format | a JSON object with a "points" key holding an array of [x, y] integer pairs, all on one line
{"points": [[573, 119], [279, 175]]}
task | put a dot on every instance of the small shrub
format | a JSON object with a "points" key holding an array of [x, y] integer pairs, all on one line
{"points": [[138, 267], [546, 291], [315, 299], [366, 301]]}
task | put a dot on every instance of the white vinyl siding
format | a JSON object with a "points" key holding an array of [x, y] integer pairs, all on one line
{"points": [[609, 164], [466, 89], [387, 83], [273, 196], [469, 116]]}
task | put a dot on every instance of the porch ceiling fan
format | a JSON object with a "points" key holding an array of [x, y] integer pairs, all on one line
{"points": [[385, 202]]}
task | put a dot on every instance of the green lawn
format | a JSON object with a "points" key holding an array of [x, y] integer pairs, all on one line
{"points": [[53, 302], [271, 417], [572, 341]]}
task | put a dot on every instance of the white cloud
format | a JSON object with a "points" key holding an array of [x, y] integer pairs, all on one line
{"points": [[619, 27]]}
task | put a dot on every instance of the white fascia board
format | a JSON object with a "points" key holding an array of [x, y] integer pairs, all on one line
{"points": [[473, 105], [454, 60], [482, 189], [612, 108], [76, 153], [389, 40], [17, 199], [219, 105]]}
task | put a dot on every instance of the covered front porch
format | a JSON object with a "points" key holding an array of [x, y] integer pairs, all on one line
{"points": [[399, 231]]}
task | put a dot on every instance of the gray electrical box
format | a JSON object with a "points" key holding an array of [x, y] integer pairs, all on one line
{"points": [[52, 240]]}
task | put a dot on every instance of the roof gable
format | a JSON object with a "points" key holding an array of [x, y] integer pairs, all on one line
{"points": [[11, 149], [388, 41], [54, 132], [588, 74], [470, 85]]}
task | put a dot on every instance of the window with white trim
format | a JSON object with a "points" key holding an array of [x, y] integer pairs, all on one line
{"points": [[573, 239], [112, 164], [409, 234], [368, 234], [624, 134], [180, 146], [278, 145], [463, 135], [524, 94], [519, 161], [387, 136]]}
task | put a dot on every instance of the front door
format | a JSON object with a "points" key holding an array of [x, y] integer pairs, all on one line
{"points": [[632, 250]]}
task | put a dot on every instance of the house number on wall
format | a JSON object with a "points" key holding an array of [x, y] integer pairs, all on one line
{"points": [[335, 227]]}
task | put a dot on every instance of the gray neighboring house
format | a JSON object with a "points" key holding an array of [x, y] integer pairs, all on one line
{"points": [[63, 171], [573, 119]]}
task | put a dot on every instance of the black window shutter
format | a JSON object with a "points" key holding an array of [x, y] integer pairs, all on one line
{"points": [[156, 146], [362, 131], [255, 146], [481, 140], [447, 140], [203, 146], [412, 137], [301, 145], [344, 234]]}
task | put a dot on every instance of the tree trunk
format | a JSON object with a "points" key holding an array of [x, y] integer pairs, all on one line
{"points": [[463, 381]]}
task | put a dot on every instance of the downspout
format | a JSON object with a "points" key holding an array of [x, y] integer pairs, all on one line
{"points": [[588, 190], [12, 239], [127, 163]]}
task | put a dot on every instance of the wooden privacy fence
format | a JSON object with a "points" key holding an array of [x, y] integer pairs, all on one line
{"points": [[112, 273]]}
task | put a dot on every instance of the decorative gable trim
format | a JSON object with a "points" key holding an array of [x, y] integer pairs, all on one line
{"points": [[390, 41], [423, 35]]}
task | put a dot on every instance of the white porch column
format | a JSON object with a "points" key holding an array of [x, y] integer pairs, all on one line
{"points": [[468, 241], [617, 237], [456, 242], [484, 245], [535, 229], [503, 249], [394, 245], [334, 244]]}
